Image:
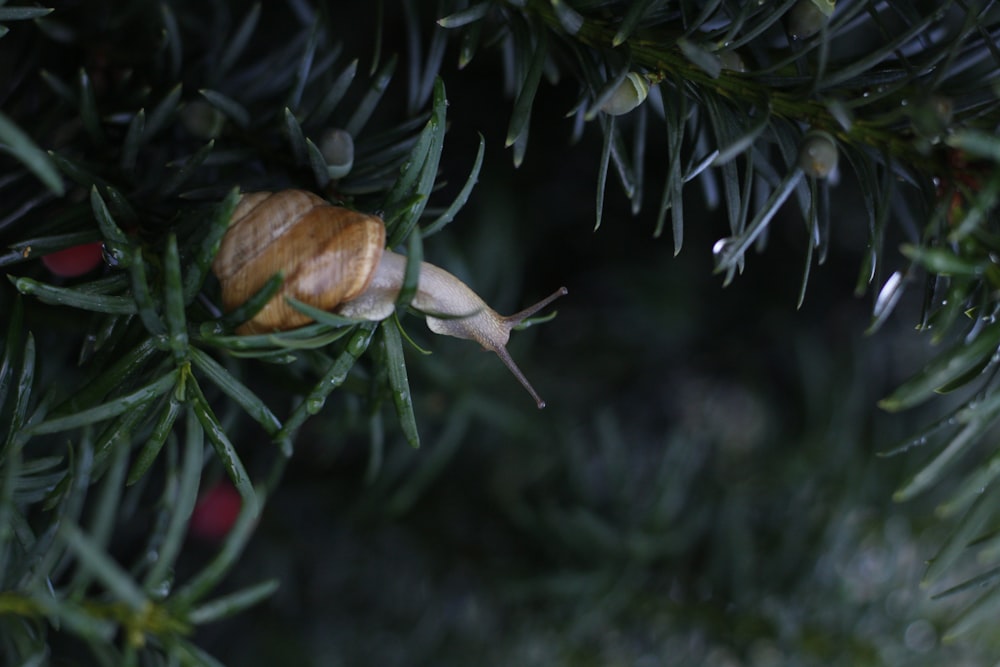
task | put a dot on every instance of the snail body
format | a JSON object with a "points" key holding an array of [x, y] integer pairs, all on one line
{"points": [[335, 259]]}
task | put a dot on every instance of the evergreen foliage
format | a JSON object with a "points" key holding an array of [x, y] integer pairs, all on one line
{"points": [[125, 391]]}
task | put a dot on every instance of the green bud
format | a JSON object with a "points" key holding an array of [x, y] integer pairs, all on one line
{"points": [[337, 148], [732, 61], [818, 154], [932, 116], [630, 93], [202, 119], [808, 17]]}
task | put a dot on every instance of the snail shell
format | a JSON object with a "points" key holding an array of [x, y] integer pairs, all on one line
{"points": [[328, 253]]}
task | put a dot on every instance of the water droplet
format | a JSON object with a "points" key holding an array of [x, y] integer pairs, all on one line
{"points": [[211, 328], [162, 589], [314, 405], [723, 251], [112, 255]]}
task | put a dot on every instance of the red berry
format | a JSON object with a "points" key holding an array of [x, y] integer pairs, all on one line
{"points": [[75, 261], [215, 512]]}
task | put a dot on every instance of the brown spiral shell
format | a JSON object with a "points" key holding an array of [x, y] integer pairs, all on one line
{"points": [[328, 255]]}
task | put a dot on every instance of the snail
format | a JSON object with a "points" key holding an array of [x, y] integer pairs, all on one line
{"points": [[334, 258]]}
